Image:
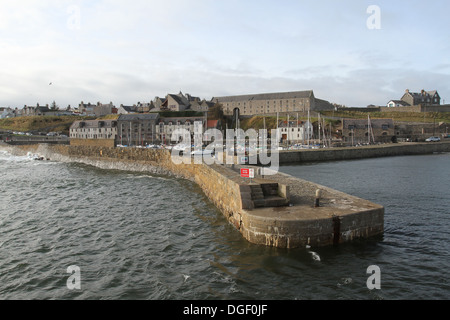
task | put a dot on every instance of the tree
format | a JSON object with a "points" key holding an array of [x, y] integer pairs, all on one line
{"points": [[216, 112], [54, 106]]}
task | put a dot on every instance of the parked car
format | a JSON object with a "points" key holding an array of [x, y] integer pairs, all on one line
{"points": [[433, 139]]}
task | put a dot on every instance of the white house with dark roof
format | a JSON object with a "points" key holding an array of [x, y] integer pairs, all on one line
{"points": [[94, 129], [295, 131], [397, 103], [126, 109]]}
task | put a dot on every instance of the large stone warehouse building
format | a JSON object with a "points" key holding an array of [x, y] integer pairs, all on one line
{"points": [[271, 103]]}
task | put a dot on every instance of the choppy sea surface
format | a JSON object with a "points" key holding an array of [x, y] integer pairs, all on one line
{"points": [[134, 235]]}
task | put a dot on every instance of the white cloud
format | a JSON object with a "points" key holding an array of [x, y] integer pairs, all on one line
{"points": [[129, 51]]}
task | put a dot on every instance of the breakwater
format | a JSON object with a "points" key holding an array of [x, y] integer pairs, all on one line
{"points": [[277, 210], [352, 153]]}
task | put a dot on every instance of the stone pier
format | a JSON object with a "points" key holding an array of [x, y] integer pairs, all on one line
{"points": [[277, 210]]}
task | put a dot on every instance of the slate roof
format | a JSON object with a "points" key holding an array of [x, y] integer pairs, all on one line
{"points": [[139, 116], [128, 108], [182, 120], [401, 102], [362, 123], [179, 100], [93, 124], [267, 96]]}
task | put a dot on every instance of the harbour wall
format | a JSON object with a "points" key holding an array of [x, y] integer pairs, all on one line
{"points": [[342, 217], [338, 154]]}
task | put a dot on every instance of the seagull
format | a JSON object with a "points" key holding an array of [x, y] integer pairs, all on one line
{"points": [[186, 277], [50, 83]]}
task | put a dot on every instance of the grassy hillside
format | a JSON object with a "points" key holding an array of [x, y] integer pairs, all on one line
{"points": [[427, 117], [39, 124]]}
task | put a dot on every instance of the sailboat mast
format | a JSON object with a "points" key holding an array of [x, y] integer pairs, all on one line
{"points": [[309, 125], [319, 129], [288, 133]]}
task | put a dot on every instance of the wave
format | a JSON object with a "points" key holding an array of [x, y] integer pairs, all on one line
{"points": [[106, 164], [7, 156]]}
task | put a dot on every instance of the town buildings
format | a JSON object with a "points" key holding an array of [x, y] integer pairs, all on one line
{"points": [[94, 129], [96, 110], [295, 131], [137, 129], [397, 103], [140, 129], [272, 103], [167, 126], [424, 97], [410, 99], [367, 130], [6, 113], [103, 132]]}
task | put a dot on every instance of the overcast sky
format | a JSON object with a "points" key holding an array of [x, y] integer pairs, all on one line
{"points": [[134, 50]]}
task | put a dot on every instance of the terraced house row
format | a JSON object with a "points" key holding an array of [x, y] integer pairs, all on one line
{"points": [[134, 129]]}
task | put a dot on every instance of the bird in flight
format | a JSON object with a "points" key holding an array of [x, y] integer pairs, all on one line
{"points": [[50, 83]]}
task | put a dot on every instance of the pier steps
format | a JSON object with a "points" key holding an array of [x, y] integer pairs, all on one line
{"points": [[266, 195]]}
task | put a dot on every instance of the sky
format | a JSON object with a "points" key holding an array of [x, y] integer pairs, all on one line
{"points": [[350, 52]]}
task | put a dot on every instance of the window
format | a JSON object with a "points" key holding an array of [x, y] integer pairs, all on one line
{"points": [[385, 127], [351, 127]]}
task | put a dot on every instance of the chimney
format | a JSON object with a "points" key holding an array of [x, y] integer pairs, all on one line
{"points": [[407, 90]]}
